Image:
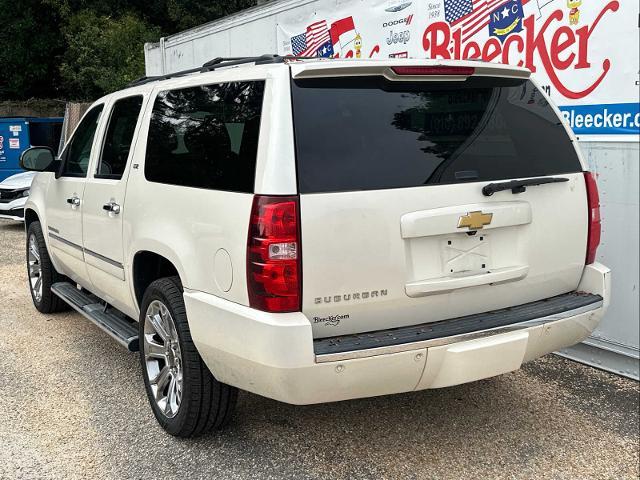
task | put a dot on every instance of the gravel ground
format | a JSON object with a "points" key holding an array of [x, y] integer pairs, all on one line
{"points": [[72, 405]]}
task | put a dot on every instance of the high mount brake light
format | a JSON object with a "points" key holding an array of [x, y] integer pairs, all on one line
{"points": [[595, 225], [273, 254], [434, 70]]}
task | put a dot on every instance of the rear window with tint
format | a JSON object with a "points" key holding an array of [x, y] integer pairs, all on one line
{"points": [[206, 136], [370, 133]]}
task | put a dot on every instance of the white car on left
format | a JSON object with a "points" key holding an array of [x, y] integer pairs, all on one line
{"points": [[14, 191]]}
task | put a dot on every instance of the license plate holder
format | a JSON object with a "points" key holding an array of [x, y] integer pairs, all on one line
{"points": [[466, 254]]}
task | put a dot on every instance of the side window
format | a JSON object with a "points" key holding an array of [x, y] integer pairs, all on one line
{"points": [[77, 154], [117, 140], [206, 136]]}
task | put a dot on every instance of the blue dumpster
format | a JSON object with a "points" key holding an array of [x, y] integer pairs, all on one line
{"points": [[19, 133]]}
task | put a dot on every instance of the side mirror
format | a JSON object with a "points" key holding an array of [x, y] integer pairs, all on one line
{"points": [[39, 159]]}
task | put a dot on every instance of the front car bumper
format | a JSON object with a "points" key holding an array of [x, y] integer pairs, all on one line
{"points": [[276, 356], [14, 209]]}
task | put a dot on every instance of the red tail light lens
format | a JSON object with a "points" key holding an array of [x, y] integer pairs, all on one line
{"points": [[434, 70], [595, 225], [273, 254]]}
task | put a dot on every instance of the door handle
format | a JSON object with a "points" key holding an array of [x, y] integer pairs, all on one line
{"points": [[111, 207], [74, 201]]}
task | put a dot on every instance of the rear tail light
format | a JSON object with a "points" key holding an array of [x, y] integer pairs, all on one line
{"points": [[273, 254], [595, 226], [434, 70]]}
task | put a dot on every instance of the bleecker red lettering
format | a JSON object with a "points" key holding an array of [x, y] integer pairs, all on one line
{"points": [[491, 49], [566, 47], [374, 50], [457, 44], [471, 50], [434, 32], [507, 45], [585, 32], [536, 42], [558, 46]]}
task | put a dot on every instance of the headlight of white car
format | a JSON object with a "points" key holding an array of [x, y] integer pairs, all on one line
{"points": [[25, 193]]}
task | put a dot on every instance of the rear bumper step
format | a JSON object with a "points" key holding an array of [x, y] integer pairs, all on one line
{"points": [[454, 330], [111, 321]]}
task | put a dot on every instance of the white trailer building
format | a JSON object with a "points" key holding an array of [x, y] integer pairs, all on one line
{"points": [[584, 55]]}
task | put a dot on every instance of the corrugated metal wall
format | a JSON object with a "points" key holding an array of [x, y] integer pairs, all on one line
{"points": [[614, 345]]}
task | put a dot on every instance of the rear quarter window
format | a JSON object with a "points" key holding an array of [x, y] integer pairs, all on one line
{"points": [[206, 136], [370, 133]]}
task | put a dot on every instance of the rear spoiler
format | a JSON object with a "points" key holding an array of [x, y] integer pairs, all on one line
{"points": [[406, 70]]}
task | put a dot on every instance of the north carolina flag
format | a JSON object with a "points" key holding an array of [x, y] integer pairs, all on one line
{"points": [[343, 32], [506, 19]]}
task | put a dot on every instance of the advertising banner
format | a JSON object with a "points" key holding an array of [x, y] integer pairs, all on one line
{"points": [[583, 53]]}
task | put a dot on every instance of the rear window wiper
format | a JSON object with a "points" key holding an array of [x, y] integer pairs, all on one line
{"points": [[519, 186]]}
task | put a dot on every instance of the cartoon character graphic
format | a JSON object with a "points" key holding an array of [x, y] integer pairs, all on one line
{"points": [[357, 45], [574, 13]]}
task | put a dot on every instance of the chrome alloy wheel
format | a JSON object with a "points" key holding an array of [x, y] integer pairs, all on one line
{"points": [[35, 269], [163, 358]]}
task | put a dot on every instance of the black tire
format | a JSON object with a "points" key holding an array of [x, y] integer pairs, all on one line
{"points": [[206, 403], [48, 302]]}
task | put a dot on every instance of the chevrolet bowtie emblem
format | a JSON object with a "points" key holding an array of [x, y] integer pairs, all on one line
{"points": [[475, 220]]}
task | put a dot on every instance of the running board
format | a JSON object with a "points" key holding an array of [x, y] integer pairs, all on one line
{"points": [[111, 321]]}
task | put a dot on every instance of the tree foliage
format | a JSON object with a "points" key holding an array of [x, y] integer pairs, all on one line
{"points": [[30, 43], [183, 14], [82, 49], [101, 54]]}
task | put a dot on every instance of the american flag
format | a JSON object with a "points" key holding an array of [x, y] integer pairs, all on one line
{"points": [[456, 9], [308, 43], [471, 16]]}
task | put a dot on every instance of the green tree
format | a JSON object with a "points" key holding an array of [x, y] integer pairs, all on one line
{"points": [[171, 16], [184, 14], [30, 45], [82, 49], [103, 53]]}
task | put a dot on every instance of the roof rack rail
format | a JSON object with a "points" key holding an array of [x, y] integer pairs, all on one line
{"points": [[219, 62], [143, 80]]}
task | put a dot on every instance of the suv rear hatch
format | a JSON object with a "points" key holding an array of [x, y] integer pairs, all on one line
{"points": [[395, 227]]}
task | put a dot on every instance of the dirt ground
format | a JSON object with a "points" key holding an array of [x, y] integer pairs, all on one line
{"points": [[72, 405]]}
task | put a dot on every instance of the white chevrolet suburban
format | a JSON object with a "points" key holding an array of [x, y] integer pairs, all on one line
{"points": [[319, 230]]}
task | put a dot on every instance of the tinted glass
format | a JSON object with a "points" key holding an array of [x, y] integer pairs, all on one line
{"points": [[45, 134], [78, 152], [365, 134], [206, 136], [117, 140]]}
